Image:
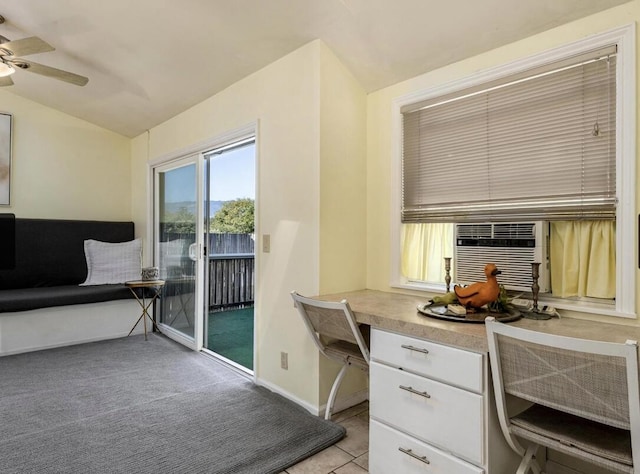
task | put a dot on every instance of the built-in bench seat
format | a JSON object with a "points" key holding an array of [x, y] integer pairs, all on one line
{"points": [[24, 299], [50, 264], [41, 301]]}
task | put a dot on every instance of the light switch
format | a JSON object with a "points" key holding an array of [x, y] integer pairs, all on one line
{"points": [[266, 243]]}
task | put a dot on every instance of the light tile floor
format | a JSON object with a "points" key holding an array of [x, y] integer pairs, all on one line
{"points": [[348, 456]]}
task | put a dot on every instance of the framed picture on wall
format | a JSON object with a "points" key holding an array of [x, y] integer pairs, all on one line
{"points": [[5, 158]]}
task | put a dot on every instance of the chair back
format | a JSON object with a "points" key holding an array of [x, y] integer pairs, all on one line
{"points": [[329, 319], [591, 379]]}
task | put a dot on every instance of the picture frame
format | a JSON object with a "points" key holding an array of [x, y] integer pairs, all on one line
{"points": [[5, 158]]}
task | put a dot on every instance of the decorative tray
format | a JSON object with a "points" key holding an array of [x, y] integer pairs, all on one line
{"points": [[440, 312]]}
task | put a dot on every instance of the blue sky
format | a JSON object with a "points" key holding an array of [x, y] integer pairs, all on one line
{"points": [[232, 177]]}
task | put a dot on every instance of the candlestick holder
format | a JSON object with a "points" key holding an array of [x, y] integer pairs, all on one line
{"points": [[535, 312], [447, 270], [535, 288]]}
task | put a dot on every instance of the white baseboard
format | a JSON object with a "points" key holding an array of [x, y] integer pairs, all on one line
{"points": [[339, 405], [66, 344], [348, 401], [59, 326], [274, 388]]}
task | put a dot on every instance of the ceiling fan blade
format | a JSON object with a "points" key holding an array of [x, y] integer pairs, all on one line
{"points": [[6, 81], [27, 46], [52, 72]]}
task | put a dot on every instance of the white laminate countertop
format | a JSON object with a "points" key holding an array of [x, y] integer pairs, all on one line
{"points": [[397, 312]]}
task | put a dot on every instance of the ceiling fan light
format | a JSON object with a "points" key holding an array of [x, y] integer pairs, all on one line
{"points": [[6, 69]]}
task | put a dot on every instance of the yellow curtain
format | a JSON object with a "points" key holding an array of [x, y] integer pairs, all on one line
{"points": [[424, 247], [583, 259]]}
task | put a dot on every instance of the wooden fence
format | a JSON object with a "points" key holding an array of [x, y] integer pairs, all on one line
{"points": [[230, 243], [231, 270], [231, 267], [231, 280], [218, 243]]}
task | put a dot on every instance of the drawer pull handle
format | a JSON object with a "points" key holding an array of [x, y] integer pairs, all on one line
{"points": [[415, 349], [413, 390], [409, 452]]}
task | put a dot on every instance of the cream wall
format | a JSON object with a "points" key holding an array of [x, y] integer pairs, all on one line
{"points": [[379, 126], [64, 167], [342, 196], [342, 177], [285, 98]]}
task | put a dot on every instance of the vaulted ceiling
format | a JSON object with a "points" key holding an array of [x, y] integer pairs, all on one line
{"points": [[148, 60]]}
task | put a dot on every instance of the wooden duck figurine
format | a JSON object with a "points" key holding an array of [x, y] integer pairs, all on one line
{"points": [[478, 294]]}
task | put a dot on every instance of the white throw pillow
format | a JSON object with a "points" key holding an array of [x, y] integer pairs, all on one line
{"points": [[109, 263]]}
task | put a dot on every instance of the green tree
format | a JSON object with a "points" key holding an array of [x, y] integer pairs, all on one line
{"points": [[235, 217], [181, 221]]}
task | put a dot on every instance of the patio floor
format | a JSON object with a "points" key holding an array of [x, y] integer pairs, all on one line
{"points": [[231, 335]]}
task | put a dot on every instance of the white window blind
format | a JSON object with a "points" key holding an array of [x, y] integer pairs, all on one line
{"points": [[536, 146]]}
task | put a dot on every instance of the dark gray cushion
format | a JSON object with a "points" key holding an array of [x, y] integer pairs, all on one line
{"points": [[50, 252], [24, 299]]}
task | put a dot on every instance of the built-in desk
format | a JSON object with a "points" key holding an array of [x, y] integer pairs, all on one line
{"points": [[397, 312], [430, 395]]}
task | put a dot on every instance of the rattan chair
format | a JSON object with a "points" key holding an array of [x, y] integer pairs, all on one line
{"points": [[583, 394], [337, 335]]}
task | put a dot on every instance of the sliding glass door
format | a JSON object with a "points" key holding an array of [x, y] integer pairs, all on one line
{"points": [[230, 275], [178, 247], [204, 236]]}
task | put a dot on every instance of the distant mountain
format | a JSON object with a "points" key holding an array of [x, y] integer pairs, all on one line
{"points": [[190, 206], [214, 206]]}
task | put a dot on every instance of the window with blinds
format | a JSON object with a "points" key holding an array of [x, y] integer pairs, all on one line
{"points": [[539, 145]]}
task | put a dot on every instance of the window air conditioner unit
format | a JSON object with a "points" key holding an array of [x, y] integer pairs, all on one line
{"points": [[513, 247]]}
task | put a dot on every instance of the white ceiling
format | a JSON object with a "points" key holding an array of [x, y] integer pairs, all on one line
{"points": [[148, 60]]}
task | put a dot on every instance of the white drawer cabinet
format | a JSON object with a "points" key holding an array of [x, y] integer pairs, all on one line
{"points": [[456, 367], [431, 411], [435, 401], [393, 451]]}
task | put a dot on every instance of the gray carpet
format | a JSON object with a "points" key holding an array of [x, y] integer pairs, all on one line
{"points": [[130, 406]]}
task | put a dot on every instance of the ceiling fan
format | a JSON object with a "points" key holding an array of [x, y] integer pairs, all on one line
{"points": [[11, 60]]}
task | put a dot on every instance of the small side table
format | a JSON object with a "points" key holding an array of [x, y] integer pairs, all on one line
{"points": [[146, 302]]}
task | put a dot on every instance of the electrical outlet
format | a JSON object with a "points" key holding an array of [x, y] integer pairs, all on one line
{"points": [[266, 243], [284, 360]]}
